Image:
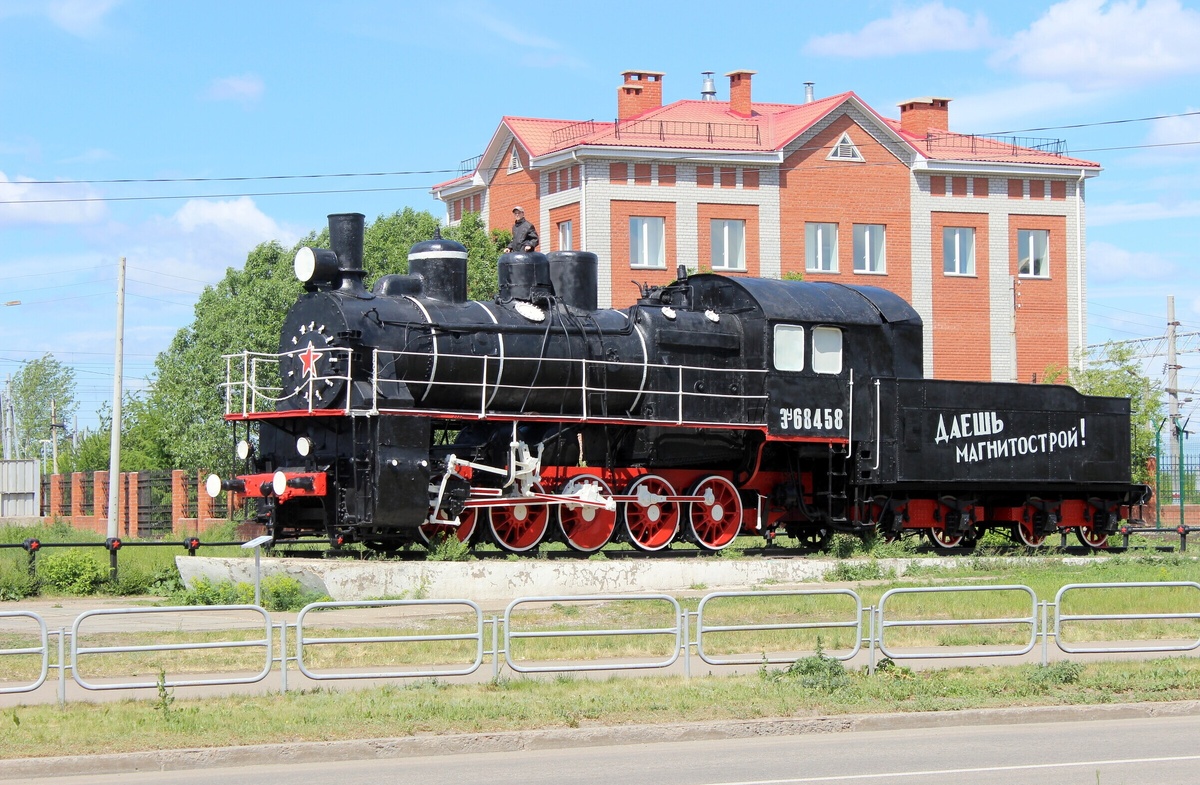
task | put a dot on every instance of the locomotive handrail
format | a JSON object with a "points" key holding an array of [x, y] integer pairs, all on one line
{"points": [[253, 393]]}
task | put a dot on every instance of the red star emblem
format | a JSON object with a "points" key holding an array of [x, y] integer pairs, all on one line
{"points": [[308, 359]]}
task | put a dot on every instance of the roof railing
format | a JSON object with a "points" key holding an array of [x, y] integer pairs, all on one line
{"points": [[1006, 145]]}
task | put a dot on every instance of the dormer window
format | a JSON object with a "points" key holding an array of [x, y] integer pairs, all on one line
{"points": [[845, 150], [514, 162]]}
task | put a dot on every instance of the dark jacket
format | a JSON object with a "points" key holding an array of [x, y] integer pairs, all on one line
{"points": [[524, 237]]}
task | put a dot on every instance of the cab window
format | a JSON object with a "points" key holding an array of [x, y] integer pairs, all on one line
{"points": [[789, 347], [827, 350]]}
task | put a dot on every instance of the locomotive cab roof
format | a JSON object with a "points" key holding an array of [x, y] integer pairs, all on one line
{"points": [[802, 301]]}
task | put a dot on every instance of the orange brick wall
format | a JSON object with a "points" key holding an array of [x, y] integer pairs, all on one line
{"points": [[846, 193], [568, 212], [508, 190], [961, 330], [748, 213], [624, 292], [1042, 311]]}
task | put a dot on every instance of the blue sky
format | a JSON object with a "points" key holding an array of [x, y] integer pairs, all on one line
{"points": [[94, 90]]}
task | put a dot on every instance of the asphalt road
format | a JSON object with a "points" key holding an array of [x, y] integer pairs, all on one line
{"points": [[1159, 750]]}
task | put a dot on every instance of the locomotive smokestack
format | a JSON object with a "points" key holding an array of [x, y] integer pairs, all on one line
{"points": [[346, 240]]}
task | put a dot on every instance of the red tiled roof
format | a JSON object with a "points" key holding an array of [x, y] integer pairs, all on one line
{"points": [[710, 125]]}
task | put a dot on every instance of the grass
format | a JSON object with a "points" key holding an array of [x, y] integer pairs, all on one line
{"points": [[431, 707]]}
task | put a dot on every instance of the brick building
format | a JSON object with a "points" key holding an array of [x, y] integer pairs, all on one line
{"points": [[985, 236]]}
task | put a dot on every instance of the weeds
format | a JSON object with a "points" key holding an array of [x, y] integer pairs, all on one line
{"points": [[1056, 674], [165, 699], [71, 571], [447, 547], [280, 593]]}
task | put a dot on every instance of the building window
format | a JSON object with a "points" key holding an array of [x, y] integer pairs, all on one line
{"points": [[789, 347], [566, 236], [845, 150], [827, 350], [514, 161], [728, 244], [820, 248], [646, 242], [869, 248], [958, 251], [1033, 250]]}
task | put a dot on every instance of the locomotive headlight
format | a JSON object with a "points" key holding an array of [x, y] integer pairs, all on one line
{"points": [[315, 264], [243, 449], [304, 446], [212, 486], [279, 483]]}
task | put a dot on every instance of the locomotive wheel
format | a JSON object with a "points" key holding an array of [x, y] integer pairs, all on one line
{"points": [[714, 526], [1027, 537], [430, 533], [586, 528], [650, 528], [519, 528], [1092, 538], [944, 542]]}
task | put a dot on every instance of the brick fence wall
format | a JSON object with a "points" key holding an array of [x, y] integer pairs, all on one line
{"points": [[186, 518]]}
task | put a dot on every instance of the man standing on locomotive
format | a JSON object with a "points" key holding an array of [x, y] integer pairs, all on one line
{"points": [[524, 234]]}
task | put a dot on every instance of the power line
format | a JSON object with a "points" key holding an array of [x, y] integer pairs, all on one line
{"points": [[242, 179], [1096, 124]]}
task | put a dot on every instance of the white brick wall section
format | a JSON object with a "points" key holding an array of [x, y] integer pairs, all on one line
{"points": [[1000, 293], [770, 231], [922, 263]]}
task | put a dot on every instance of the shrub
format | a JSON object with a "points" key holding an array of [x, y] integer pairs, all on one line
{"points": [[16, 585], [447, 547], [1056, 673], [285, 593], [818, 671], [71, 571]]}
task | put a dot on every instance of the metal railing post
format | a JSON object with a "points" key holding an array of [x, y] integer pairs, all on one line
{"points": [[1045, 633], [62, 667], [283, 657], [871, 611], [495, 648], [687, 645]]}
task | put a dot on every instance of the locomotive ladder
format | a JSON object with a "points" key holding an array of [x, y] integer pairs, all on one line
{"points": [[835, 498]]}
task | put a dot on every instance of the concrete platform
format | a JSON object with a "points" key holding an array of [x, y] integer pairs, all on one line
{"points": [[502, 580]]}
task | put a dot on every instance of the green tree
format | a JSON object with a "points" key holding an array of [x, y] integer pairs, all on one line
{"points": [[1116, 373], [142, 440], [38, 383], [244, 311], [483, 252]]}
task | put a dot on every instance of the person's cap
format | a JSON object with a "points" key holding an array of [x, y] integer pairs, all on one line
{"points": [[518, 209]]}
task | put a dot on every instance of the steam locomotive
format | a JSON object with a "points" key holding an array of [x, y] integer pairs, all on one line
{"points": [[715, 406]]}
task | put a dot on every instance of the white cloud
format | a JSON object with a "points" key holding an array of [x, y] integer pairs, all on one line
{"points": [[928, 28], [1091, 44], [81, 18], [23, 202], [511, 33], [245, 89], [1171, 132], [1128, 212], [1108, 263], [1016, 106]]}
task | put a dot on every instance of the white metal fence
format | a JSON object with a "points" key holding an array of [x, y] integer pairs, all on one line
{"points": [[684, 634]]}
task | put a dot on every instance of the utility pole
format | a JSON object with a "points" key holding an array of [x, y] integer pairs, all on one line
{"points": [[114, 457], [54, 426]]}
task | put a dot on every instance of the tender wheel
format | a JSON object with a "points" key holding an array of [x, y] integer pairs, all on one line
{"points": [[812, 536], [586, 528], [521, 527], [650, 526], [1092, 538], [944, 542], [714, 525], [1025, 535], [430, 533]]}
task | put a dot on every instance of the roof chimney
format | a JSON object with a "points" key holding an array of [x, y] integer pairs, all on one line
{"points": [[739, 92], [708, 90], [641, 92], [808, 92], [919, 116]]}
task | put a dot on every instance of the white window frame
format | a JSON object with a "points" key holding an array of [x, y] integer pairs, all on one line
{"points": [[643, 254], [1027, 259], [514, 162], [958, 250], [870, 249], [845, 150], [728, 244], [827, 350], [788, 350], [566, 236], [814, 256]]}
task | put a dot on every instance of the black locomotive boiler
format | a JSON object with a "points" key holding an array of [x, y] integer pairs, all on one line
{"points": [[712, 407]]}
